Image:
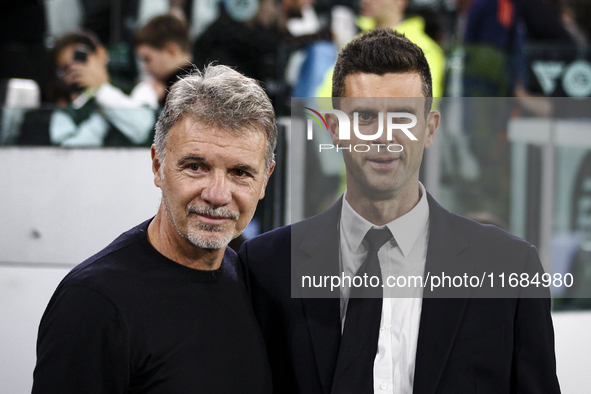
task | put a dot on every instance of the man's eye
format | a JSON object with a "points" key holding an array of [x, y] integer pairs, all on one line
{"points": [[367, 117], [194, 167], [240, 173]]}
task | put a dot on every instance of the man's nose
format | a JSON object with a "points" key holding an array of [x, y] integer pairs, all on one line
{"points": [[381, 124], [217, 192]]}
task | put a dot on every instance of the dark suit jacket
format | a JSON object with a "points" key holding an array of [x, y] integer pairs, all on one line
{"points": [[465, 345]]}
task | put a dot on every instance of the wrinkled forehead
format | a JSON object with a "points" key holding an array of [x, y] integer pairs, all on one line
{"points": [[193, 120], [191, 128]]}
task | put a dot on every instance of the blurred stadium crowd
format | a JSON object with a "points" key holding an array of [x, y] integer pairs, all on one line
{"points": [[79, 73]]}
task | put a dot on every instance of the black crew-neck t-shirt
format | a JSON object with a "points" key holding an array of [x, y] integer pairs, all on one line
{"points": [[129, 320]]}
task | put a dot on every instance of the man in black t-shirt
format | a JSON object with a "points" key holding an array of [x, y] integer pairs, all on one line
{"points": [[163, 309]]}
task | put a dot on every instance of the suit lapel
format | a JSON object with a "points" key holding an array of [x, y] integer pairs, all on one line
{"points": [[440, 317], [320, 248]]}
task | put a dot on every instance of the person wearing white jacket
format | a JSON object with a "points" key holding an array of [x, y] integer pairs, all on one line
{"points": [[99, 113]]}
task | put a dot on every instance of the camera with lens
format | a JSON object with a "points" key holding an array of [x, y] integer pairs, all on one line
{"points": [[80, 55]]}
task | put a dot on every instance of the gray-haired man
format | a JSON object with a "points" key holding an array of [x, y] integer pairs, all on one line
{"points": [[163, 308]]}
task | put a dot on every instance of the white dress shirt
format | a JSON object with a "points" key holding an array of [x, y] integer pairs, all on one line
{"points": [[404, 255]]}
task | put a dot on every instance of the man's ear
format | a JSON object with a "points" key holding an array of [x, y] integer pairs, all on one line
{"points": [[333, 128], [172, 48], [432, 124], [156, 167], [267, 176]]}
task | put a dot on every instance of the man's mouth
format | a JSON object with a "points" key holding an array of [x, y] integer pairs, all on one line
{"points": [[217, 220], [213, 216], [383, 162]]}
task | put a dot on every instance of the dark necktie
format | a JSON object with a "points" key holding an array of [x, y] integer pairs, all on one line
{"points": [[359, 342]]}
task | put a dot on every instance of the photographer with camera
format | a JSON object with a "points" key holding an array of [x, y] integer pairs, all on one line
{"points": [[98, 113]]}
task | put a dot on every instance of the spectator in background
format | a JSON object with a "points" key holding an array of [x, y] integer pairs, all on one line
{"points": [[248, 39], [99, 113], [164, 48], [390, 14], [494, 63]]}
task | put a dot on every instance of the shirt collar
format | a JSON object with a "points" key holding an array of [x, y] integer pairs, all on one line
{"points": [[354, 227], [406, 229]]}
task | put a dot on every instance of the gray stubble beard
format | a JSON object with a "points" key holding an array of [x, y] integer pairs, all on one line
{"points": [[197, 238]]}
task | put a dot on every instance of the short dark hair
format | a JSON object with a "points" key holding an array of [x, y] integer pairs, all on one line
{"points": [[381, 51], [163, 29], [81, 37]]}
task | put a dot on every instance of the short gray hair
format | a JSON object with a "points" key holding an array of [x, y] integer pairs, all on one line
{"points": [[220, 97]]}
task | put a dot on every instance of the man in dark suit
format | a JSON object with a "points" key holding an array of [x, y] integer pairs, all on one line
{"points": [[340, 340]]}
